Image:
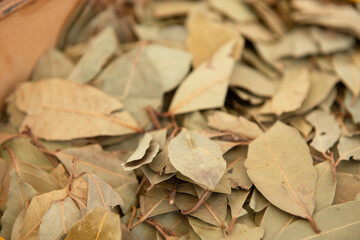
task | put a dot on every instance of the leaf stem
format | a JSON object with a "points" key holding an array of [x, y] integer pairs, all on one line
{"points": [[132, 217], [315, 227], [201, 201], [153, 117]]}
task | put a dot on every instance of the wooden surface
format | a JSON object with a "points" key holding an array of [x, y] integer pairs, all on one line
{"points": [[25, 34]]}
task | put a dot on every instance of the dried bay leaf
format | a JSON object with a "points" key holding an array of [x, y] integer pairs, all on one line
{"points": [[258, 202], [321, 84], [327, 130], [154, 177], [347, 223], [253, 81], [326, 186], [101, 195], [49, 119], [175, 222], [52, 64], [5, 180], [275, 221], [94, 160], [207, 85], [348, 71], [285, 176], [20, 193], [172, 64], [172, 8], [213, 211], [37, 208], [352, 104], [242, 231], [205, 230], [144, 153], [236, 201], [128, 193], [201, 27], [155, 202], [239, 125], [142, 230], [235, 10], [255, 32], [97, 224], [349, 148], [254, 100], [58, 219], [292, 91], [197, 157], [347, 187], [99, 51]]}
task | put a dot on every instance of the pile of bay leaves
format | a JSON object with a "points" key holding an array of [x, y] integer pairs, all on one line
{"points": [[216, 119]]}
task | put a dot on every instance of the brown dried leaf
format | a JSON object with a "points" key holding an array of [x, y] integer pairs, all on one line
{"points": [[64, 106]]}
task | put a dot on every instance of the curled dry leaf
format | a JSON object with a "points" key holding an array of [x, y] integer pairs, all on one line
{"points": [[235, 10], [353, 106], [198, 158], [206, 86], [349, 148], [144, 153], [285, 176], [56, 107], [347, 188], [99, 51]]}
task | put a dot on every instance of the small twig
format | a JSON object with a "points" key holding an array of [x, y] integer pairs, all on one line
{"points": [[13, 159], [132, 217], [173, 192], [330, 157], [232, 223], [72, 176], [201, 201], [315, 227], [153, 117], [166, 233]]}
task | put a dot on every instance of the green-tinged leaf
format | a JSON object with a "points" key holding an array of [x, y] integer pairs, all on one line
{"points": [[26, 152], [253, 81], [20, 194], [236, 200], [239, 125], [40, 180], [16, 117], [155, 202], [207, 85], [205, 230], [141, 231], [285, 176], [326, 186], [128, 193], [52, 64], [349, 148], [37, 208], [58, 219], [198, 158], [18, 225], [101, 195], [144, 153], [346, 226], [242, 231], [348, 186], [64, 105], [212, 211], [99, 51], [97, 224], [175, 222], [275, 221], [132, 75], [5, 180], [154, 177], [94, 160], [258, 202], [60, 175], [327, 130]]}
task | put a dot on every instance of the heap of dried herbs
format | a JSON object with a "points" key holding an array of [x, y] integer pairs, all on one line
{"points": [[217, 119]]}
